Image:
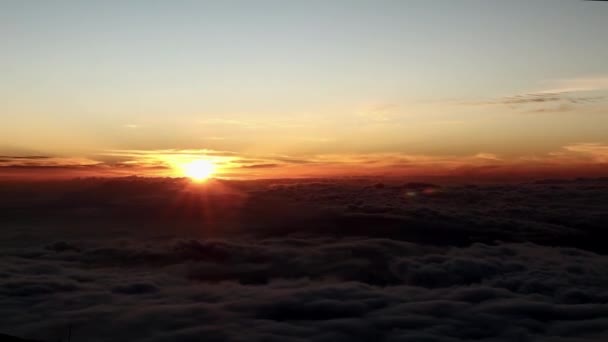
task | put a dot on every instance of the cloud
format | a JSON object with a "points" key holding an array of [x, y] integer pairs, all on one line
{"points": [[163, 152], [597, 152], [489, 156], [24, 157], [575, 85], [557, 96], [583, 158], [47, 167], [541, 102], [260, 166], [321, 290], [250, 124], [33, 167], [229, 122], [380, 112], [561, 108], [135, 289], [309, 260], [44, 161]]}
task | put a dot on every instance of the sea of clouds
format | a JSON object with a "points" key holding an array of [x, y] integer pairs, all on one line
{"points": [[305, 261]]}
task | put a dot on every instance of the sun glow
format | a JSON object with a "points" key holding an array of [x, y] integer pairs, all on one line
{"points": [[199, 170]]}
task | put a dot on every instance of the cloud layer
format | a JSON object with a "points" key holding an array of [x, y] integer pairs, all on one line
{"points": [[317, 260], [304, 289]]}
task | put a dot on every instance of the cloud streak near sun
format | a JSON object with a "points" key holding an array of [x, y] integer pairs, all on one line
{"points": [[584, 158]]}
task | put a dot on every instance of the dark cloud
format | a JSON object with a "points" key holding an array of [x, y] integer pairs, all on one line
{"points": [[545, 102], [261, 166], [135, 289], [290, 160], [7, 338], [548, 97], [24, 157], [531, 98], [316, 260], [314, 290], [35, 166]]}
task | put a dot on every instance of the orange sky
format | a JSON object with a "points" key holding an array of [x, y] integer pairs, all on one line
{"points": [[569, 161], [304, 89]]}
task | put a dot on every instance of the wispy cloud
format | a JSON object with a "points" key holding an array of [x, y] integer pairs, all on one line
{"points": [[557, 96], [228, 122], [575, 158], [596, 152], [543, 102], [574, 85], [45, 161], [249, 124], [379, 112], [260, 166]]}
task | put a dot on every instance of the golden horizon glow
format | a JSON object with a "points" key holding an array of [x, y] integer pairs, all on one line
{"points": [[377, 99], [199, 170]]}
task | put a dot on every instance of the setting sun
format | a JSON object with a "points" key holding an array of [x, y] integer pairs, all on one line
{"points": [[199, 170]]}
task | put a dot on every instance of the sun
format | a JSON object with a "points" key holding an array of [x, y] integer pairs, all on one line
{"points": [[199, 170]]}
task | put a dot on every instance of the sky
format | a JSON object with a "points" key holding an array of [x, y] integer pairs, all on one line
{"points": [[311, 88]]}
